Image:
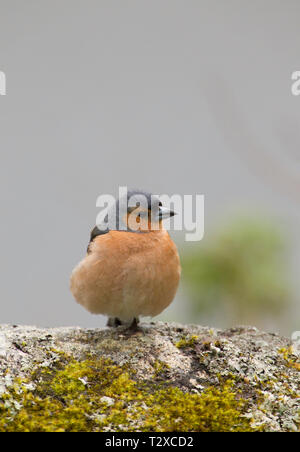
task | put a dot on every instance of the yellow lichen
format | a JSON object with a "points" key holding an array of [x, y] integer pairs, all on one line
{"points": [[160, 368], [185, 342], [96, 395], [290, 359]]}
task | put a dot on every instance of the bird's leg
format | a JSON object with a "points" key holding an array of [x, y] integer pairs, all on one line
{"points": [[113, 322], [134, 324]]}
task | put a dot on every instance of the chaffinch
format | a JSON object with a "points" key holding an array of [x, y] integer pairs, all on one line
{"points": [[132, 267]]}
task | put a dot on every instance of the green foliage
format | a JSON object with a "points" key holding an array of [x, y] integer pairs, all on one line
{"points": [[96, 395], [241, 267]]}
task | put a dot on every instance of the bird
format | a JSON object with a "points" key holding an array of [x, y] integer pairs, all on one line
{"points": [[132, 268]]}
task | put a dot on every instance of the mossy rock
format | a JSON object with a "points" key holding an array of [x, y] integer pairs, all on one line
{"points": [[165, 378]]}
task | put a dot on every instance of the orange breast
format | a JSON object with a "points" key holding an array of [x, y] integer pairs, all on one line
{"points": [[128, 274]]}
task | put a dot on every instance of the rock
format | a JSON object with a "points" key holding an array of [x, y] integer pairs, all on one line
{"points": [[108, 400], [264, 371]]}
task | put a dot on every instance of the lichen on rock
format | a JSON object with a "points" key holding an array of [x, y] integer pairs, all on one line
{"points": [[167, 377]]}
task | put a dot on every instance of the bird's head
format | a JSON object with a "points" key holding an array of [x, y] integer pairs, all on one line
{"points": [[141, 211], [137, 211]]}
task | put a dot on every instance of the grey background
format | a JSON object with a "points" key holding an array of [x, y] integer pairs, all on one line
{"points": [[171, 96]]}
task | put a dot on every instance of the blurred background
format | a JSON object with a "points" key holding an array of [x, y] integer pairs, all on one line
{"points": [[171, 96]]}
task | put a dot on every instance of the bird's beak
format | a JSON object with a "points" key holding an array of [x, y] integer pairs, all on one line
{"points": [[165, 213]]}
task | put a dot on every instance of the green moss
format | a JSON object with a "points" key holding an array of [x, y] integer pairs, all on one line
{"points": [[96, 395], [186, 341], [290, 359], [214, 410], [160, 368]]}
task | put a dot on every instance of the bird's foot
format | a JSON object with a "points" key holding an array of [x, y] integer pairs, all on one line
{"points": [[113, 322], [134, 328], [134, 325]]}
